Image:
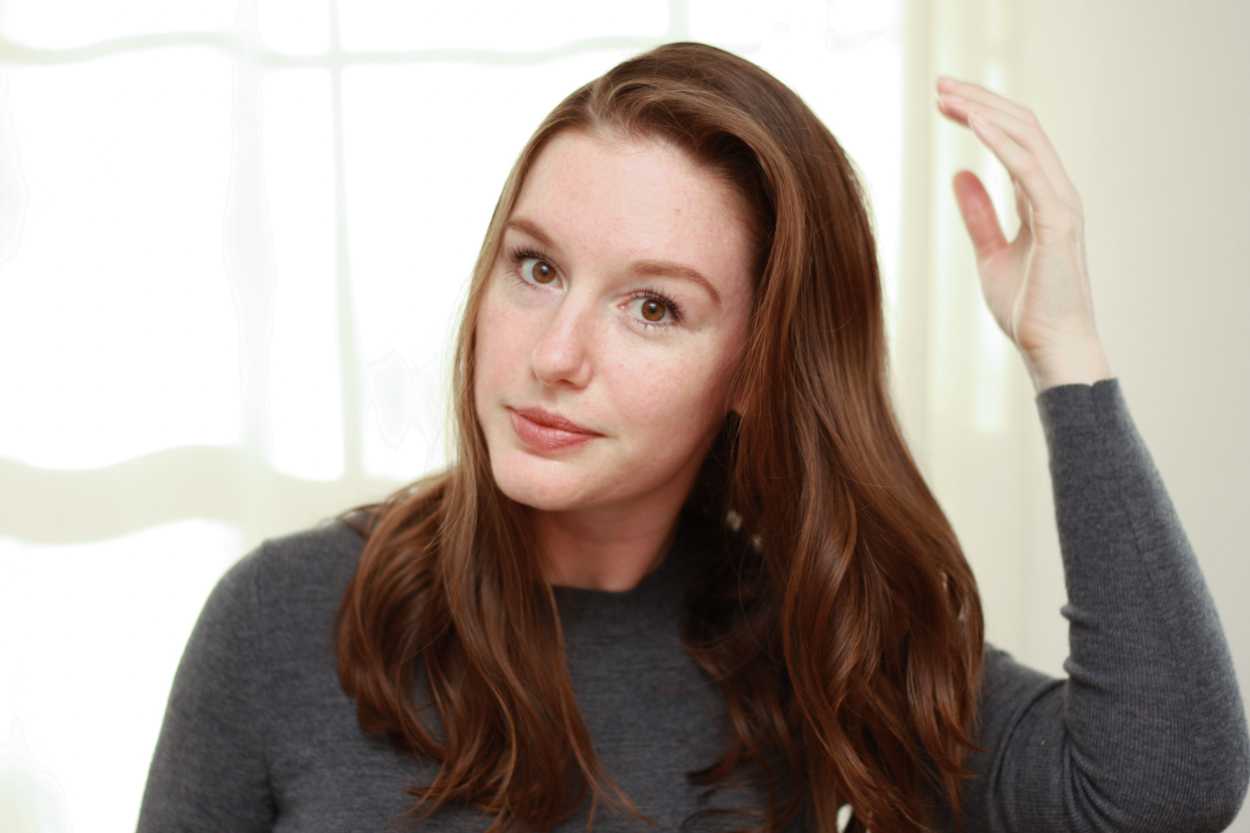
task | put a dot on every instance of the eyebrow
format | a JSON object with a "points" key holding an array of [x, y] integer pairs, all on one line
{"points": [[641, 268]]}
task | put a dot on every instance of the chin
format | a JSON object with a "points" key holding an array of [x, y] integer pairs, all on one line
{"points": [[547, 491], [545, 500]]}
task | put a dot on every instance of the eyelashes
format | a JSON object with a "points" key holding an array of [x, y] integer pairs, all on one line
{"points": [[520, 253]]}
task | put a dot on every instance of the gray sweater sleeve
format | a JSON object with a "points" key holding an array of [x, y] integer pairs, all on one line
{"points": [[208, 771], [1148, 731]]}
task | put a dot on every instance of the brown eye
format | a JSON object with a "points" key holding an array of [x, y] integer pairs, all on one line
{"points": [[655, 306], [543, 273]]}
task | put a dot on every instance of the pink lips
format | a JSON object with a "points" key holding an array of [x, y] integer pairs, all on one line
{"points": [[542, 437]]}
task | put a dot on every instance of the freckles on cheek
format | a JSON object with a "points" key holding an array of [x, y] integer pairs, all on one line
{"points": [[662, 388], [500, 336]]}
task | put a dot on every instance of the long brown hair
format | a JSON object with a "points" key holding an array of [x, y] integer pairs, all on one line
{"points": [[843, 623]]}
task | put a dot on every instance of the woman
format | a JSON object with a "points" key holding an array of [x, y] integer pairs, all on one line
{"points": [[723, 585]]}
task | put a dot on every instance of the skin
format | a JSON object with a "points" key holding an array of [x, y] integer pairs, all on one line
{"points": [[566, 333], [1036, 286]]}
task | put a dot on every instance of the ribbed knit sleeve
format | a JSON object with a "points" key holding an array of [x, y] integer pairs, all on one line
{"points": [[209, 770], [1148, 731]]}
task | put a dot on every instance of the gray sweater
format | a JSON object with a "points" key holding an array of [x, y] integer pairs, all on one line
{"points": [[1146, 733]]}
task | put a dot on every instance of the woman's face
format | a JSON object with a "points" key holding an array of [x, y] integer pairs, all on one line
{"points": [[577, 327]]}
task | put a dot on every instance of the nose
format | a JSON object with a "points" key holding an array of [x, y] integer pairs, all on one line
{"points": [[561, 353]]}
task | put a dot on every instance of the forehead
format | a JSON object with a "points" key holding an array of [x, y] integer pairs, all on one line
{"points": [[635, 198]]}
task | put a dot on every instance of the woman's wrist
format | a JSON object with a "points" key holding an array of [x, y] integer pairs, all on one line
{"points": [[1080, 364]]}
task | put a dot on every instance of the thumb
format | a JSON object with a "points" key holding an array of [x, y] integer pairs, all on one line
{"points": [[978, 212]]}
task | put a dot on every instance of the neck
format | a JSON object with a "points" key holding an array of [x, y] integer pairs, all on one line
{"points": [[590, 551]]}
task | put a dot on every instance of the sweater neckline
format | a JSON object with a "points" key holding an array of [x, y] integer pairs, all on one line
{"points": [[665, 582]]}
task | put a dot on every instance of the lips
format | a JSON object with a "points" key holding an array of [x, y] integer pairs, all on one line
{"points": [[544, 439], [553, 420]]}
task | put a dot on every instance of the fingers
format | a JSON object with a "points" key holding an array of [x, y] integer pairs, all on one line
{"points": [[1014, 135], [1050, 215], [1024, 130], [1023, 209], [980, 218], [979, 94]]}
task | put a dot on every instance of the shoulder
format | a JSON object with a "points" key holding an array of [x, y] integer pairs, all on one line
{"points": [[290, 575], [303, 569], [277, 602], [1012, 694], [1010, 688], [323, 549], [1006, 681]]}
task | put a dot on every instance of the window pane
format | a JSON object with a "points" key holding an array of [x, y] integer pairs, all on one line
{"points": [[297, 171], [85, 663], [491, 25], [294, 26], [117, 326], [55, 24]]}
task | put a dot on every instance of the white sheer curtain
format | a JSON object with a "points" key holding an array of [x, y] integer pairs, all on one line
{"points": [[234, 241]]}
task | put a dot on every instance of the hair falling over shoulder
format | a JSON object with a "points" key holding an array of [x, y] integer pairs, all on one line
{"points": [[842, 624]]}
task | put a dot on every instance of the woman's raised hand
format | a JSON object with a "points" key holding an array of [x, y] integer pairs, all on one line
{"points": [[1037, 285]]}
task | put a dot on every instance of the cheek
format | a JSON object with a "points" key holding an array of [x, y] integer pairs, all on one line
{"points": [[673, 397], [498, 341], [487, 373]]}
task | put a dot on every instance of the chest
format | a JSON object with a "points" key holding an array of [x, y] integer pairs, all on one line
{"points": [[653, 716]]}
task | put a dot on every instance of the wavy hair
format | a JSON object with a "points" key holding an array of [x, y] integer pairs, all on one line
{"points": [[842, 623]]}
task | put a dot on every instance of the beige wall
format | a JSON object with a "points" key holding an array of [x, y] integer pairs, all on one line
{"points": [[1148, 105]]}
